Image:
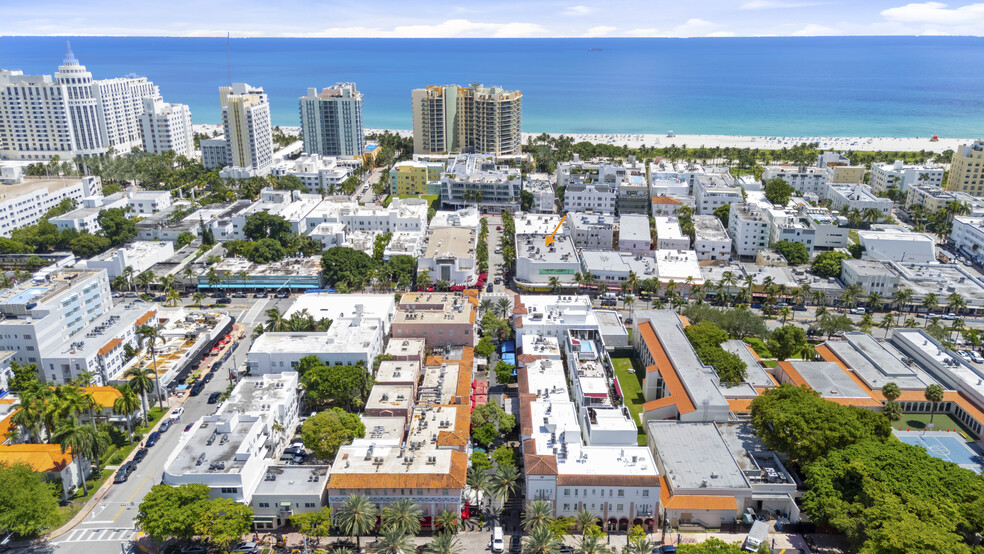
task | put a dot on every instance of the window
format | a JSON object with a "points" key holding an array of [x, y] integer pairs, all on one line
{"points": [[309, 504], [264, 504], [229, 490], [567, 492], [621, 492], [645, 492]]}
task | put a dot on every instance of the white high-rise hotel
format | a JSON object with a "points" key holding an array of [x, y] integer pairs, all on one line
{"points": [[331, 121], [167, 127], [70, 114]]}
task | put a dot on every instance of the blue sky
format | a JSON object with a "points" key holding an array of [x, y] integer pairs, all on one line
{"points": [[489, 18]]}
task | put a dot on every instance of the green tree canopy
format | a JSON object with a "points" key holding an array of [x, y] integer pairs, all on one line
{"points": [[87, 246], [224, 521], [778, 191], [263, 251], [115, 226], [706, 338], [325, 432], [263, 225], [27, 502], [786, 341], [796, 421], [723, 213], [345, 386], [346, 265], [828, 264], [171, 512], [526, 200], [794, 252]]}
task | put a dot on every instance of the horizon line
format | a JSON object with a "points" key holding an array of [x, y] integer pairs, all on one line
{"points": [[63, 35]]}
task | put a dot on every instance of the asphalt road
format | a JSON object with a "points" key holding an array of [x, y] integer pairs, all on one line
{"points": [[110, 526]]}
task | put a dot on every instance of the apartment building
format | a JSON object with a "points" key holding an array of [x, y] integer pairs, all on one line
{"points": [[594, 231], [806, 180], [542, 188], [320, 174], [247, 143], [536, 316], [475, 179], [70, 114], [966, 171], [846, 198], [416, 177], [473, 119], [901, 176], [634, 234], [711, 240], [871, 276], [827, 230], [785, 225], [748, 226], [138, 255], [613, 268], [968, 236], [331, 121], [591, 186], [538, 264], [146, 202], [839, 168], [440, 318], [668, 234], [713, 191], [899, 246], [166, 126]]}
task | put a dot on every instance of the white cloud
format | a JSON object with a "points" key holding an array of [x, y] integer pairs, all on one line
{"points": [[814, 30], [775, 4], [599, 31], [937, 13], [577, 10], [452, 28], [693, 27]]}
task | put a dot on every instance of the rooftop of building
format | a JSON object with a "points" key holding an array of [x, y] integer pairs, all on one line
{"points": [[876, 363], [287, 267], [558, 310], [635, 227], [136, 250], [39, 292], [479, 169], [826, 378], [406, 348], [695, 456], [383, 430], [42, 458], [398, 371], [609, 261], [465, 217], [338, 306], [709, 227], [587, 220], [255, 395], [970, 376], [32, 184], [942, 280], [667, 228], [867, 268], [678, 265], [537, 224], [439, 384], [100, 333], [753, 457], [451, 242], [435, 307], [867, 235], [795, 169], [351, 335], [293, 480], [392, 466], [534, 248], [216, 444], [390, 397], [755, 373]]}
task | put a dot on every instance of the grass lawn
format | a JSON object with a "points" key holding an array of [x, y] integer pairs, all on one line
{"points": [[631, 389], [67, 512], [758, 345], [941, 422], [853, 235]]}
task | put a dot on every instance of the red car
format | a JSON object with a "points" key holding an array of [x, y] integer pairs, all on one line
{"points": [[498, 228]]}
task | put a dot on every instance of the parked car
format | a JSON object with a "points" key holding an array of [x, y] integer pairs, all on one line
{"points": [[965, 355], [196, 389], [165, 425], [208, 377], [176, 413], [756, 305], [950, 316], [489, 288], [858, 311], [194, 548], [140, 455], [123, 473], [976, 356], [515, 544], [799, 308], [283, 294], [239, 295], [665, 549], [260, 295], [223, 300], [498, 227], [214, 397], [245, 547], [497, 544], [153, 438]]}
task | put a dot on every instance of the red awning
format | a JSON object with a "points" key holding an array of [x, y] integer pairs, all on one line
{"points": [[618, 387], [596, 395]]}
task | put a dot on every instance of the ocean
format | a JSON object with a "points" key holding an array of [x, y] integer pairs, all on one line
{"points": [[820, 86]]}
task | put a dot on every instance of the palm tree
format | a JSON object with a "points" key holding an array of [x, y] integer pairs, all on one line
{"points": [[785, 313], [892, 410], [198, 297], [29, 416], [128, 275], [84, 442], [819, 297], [173, 297], [275, 320], [554, 285], [141, 382], [628, 302], [849, 297], [393, 541], [750, 284], [147, 278], [891, 391], [151, 335], [404, 516], [479, 481], [356, 517], [444, 543], [485, 305], [638, 545], [930, 302], [423, 278], [934, 394], [213, 277], [873, 301], [886, 323], [584, 519], [541, 540], [910, 323], [592, 544], [956, 303], [126, 405], [73, 401], [449, 521], [505, 482], [902, 298], [503, 304], [538, 513], [866, 323], [871, 215]]}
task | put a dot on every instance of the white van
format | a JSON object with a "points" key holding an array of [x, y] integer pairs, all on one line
{"points": [[497, 544]]}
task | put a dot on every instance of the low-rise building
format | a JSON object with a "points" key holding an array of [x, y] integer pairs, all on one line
{"points": [[145, 202], [26, 203], [273, 397], [450, 254], [901, 176], [634, 234], [678, 266], [871, 276], [931, 197], [613, 268], [542, 188], [968, 236], [475, 179], [287, 490], [416, 177], [786, 225], [595, 231], [805, 179], [140, 255], [553, 316], [715, 190], [749, 229], [711, 240], [828, 233], [85, 218], [668, 234], [320, 174], [61, 468], [665, 205], [289, 274], [897, 246], [440, 318], [857, 197], [537, 264]]}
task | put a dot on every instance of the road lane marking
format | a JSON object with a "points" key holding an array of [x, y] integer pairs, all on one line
{"points": [[129, 500]]}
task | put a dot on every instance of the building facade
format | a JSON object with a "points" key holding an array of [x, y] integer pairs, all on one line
{"points": [[247, 142], [475, 179], [331, 121], [167, 127], [966, 171], [478, 119]]}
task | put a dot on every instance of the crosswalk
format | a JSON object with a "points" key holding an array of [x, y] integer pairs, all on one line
{"points": [[98, 535]]}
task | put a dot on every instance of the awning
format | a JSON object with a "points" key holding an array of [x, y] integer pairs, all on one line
{"points": [[286, 504], [618, 387]]}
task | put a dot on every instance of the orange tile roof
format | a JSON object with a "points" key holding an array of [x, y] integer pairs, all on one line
{"points": [[793, 375], [6, 425], [529, 358], [859, 402], [7, 401], [693, 502], [458, 435], [43, 458], [664, 200], [752, 352], [740, 404], [109, 346], [684, 320], [104, 396], [678, 394], [144, 318], [455, 478], [596, 480], [518, 307], [434, 361], [537, 464]]}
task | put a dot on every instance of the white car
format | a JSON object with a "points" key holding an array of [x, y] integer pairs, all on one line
{"points": [[976, 356], [857, 311]]}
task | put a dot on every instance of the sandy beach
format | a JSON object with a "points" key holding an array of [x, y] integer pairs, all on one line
{"points": [[892, 144]]}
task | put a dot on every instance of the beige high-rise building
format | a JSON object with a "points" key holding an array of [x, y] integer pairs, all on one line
{"points": [[473, 119], [967, 169]]}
